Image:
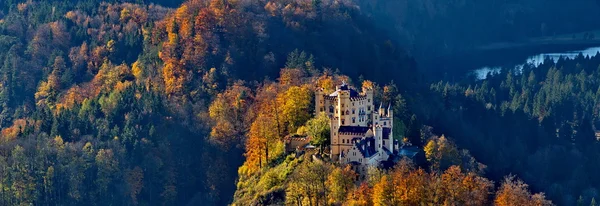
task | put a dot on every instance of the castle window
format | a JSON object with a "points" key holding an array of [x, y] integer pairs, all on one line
{"points": [[343, 122], [369, 108], [353, 119], [344, 141], [342, 105], [384, 123], [352, 103], [330, 109], [353, 111], [342, 113], [369, 100]]}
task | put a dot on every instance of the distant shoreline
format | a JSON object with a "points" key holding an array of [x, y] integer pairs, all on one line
{"points": [[538, 43]]}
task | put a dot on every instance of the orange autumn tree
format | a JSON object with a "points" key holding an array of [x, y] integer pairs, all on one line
{"points": [[514, 191], [231, 114], [360, 196], [265, 132], [460, 188]]}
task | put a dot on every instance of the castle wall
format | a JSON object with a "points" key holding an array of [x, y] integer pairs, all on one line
{"points": [[342, 142]]}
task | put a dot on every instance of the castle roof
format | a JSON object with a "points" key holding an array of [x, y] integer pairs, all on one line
{"points": [[345, 87], [366, 147], [353, 129]]}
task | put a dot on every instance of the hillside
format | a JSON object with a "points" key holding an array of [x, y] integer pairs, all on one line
{"points": [[109, 101], [164, 102]]}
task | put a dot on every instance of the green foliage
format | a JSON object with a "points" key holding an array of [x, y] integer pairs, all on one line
{"points": [[267, 182], [319, 129], [538, 112]]}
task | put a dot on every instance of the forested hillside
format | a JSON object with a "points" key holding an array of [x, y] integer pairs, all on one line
{"points": [[165, 102], [538, 122], [109, 101]]}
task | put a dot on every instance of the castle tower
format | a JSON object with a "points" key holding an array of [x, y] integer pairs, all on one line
{"points": [[343, 105], [319, 101], [334, 138], [378, 137], [368, 92]]}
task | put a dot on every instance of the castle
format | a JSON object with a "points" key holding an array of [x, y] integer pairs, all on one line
{"points": [[360, 135]]}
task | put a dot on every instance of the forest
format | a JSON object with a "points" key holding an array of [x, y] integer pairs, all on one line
{"points": [[171, 102], [539, 116]]}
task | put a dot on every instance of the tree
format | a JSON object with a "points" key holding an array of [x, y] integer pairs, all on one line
{"points": [[295, 106], [232, 115], [299, 60], [291, 77], [515, 192], [383, 192], [23, 183], [135, 183], [319, 129], [441, 153], [339, 183], [108, 168], [360, 196], [309, 181], [49, 187]]}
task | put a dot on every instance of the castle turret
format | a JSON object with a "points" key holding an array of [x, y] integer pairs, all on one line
{"points": [[319, 101], [368, 92], [381, 110], [334, 138], [378, 137]]}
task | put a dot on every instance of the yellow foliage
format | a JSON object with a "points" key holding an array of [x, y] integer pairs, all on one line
{"points": [[339, 183], [110, 46], [383, 193], [184, 18], [294, 106], [173, 78], [125, 14], [138, 70], [441, 153]]}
